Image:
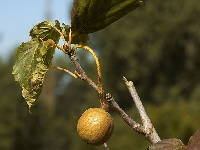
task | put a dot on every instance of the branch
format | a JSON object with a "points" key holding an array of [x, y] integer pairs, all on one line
{"points": [[148, 128], [67, 71], [134, 125], [100, 89], [80, 73]]}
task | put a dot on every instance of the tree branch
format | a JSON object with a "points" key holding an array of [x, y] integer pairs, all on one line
{"points": [[146, 128], [134, 125], [80, 73]]}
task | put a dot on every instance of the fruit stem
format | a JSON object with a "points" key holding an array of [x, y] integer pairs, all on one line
{"points": [[100, 89]]}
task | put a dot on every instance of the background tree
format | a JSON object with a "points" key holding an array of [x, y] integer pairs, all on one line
{"points": [[157, 47]]}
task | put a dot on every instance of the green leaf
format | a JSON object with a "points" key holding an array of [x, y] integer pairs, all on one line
{"points": [[46, 30], [33, 59], [76, 39], [194, 142], [168, 144], [91, 15]]}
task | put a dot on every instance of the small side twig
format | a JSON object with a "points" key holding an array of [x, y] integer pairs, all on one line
{"points": [[145, 119], [67, 71], [148, 128]]}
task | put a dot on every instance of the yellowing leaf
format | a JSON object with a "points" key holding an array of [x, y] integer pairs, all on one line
{"points": [[33, 59], [46, 30]]}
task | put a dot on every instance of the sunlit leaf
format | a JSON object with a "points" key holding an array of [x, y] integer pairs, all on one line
{"points": [[33, 59], [168, 144], [46, 30], [91, 15]]}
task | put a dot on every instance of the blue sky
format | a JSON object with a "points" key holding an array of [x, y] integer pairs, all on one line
{"points": [[17, 17]]}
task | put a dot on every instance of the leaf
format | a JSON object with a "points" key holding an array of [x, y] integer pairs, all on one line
{"points": [[194, 142], [168, 144], [91, 15], [33, 59], [76, 39], [46, 30]]}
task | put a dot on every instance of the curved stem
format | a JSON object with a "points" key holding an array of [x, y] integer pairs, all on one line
{"points": [[100, 89]]}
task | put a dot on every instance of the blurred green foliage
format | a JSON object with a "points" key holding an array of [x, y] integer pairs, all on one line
{"points": [[157, 47]]}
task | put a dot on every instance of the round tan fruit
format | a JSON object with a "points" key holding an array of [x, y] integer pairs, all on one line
{"points": [[95, 126]]}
